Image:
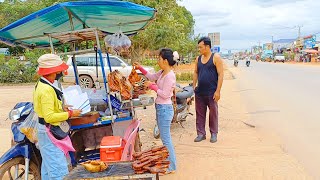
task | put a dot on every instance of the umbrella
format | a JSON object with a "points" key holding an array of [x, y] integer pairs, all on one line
{"points": [[107, 16]]}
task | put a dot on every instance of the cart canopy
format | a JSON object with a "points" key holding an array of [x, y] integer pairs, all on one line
{"points": [[108, 17]]}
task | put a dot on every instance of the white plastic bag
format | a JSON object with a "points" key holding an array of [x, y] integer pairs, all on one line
{"points": [[118, 41], [30, 127]]}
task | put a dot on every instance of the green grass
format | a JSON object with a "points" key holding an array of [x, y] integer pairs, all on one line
{"points": [[184, 77], [181, 77], [151, 63]]}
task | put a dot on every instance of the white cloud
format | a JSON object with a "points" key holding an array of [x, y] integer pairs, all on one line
{"points": [[243, 23]]}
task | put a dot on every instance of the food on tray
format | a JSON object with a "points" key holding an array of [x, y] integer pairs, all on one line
{"points": [[95, 166], [153, 160], [155, 170], [119, 83]]}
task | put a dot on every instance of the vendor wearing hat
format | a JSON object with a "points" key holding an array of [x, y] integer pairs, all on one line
{"points": [[48, 105]]}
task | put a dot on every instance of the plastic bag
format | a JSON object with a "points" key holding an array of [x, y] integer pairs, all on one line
{"points": [[29, 127], [118, 41]]}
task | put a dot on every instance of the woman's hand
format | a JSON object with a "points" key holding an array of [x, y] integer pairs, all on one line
{"points": [[136, 65], [148, 84], [76, 113], [66, 107]]}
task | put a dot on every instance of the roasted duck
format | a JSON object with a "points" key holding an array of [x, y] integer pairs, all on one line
{"points": [[134, 77], [125, 89], [118, 83]]}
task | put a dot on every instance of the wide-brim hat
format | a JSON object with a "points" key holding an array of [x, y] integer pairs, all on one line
{"points": [[51, 63]]}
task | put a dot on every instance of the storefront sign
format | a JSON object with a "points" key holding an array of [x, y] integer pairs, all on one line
{"points": [[310, 42]]}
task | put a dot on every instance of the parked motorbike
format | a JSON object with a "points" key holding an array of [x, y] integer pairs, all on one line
{"points": [[182, 102], [23, 159], [236, 62]]}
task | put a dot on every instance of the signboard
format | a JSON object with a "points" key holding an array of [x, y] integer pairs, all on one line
{"points": [[310, 42], [215, 38], [299, 42], [210, 35], [216, 49]]}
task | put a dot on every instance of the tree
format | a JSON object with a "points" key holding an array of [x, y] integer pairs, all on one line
{"points": [[12, 10], [172, 28]]}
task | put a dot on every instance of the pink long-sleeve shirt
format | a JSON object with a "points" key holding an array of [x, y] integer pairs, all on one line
{"points": [[166, 85]]}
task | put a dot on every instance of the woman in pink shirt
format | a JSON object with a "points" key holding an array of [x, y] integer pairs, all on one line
{"points": [[166, 82]]}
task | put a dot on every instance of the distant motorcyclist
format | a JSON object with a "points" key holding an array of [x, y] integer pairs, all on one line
{"points": [[248, 61], [235, 61]]}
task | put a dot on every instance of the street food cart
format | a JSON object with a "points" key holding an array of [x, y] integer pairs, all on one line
{"points": [[84, 21]]}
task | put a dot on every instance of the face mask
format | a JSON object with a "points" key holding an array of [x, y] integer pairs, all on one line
{"points": [[58, 76]]}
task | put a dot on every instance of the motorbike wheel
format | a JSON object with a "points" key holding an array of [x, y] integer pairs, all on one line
{"points": [[7, 170], [156, 132]]}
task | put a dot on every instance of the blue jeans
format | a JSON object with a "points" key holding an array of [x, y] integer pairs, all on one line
{"points": [[164, 118], [54, 163]]}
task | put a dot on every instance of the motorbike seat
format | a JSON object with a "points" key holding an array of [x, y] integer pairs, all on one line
{"points": [[182, 96], [180, 107]]}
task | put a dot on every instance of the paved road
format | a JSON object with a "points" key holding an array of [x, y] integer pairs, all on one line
{"points": [[285, 98]]}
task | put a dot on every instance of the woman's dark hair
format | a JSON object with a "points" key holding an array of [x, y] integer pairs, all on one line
{"points": [[206, 41], [167, 54]]}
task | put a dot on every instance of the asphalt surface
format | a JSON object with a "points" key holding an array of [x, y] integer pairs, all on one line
{"points": [[285, 99]]}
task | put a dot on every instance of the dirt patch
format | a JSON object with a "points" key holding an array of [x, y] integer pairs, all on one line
{"points": [[228, 75], [306, 64], [184, 68], [241, 152]]}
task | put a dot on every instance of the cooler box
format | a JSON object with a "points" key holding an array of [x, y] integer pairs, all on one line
{"points": [[111, 148]]}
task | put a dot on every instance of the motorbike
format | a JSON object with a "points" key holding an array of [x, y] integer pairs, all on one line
{"points": [[248, 63], [182, 101], [23, 159], [236, 62]]}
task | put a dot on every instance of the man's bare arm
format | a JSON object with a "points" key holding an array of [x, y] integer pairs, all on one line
{"points": [[219, 65], [195, 74]]}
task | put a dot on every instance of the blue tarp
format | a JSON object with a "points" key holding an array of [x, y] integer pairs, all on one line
{"points": [[107, 16]]}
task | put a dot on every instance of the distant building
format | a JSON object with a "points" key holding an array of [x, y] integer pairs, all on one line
{"points": [[282, 43]]}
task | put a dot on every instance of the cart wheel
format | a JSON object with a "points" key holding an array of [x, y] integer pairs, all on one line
{"points": [[156, 132], [137, 144]]}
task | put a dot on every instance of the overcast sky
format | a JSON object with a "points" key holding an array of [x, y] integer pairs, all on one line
{"points": [[243, 23]]}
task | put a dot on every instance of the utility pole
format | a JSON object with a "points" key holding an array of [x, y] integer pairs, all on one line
{"points": [[299, 33], [272, 42], [299, 30]]}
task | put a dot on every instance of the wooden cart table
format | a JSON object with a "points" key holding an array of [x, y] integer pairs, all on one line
{"points": [[121, 170]]}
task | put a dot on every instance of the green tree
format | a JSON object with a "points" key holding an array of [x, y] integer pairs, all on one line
{"points": [[172, 28]]}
